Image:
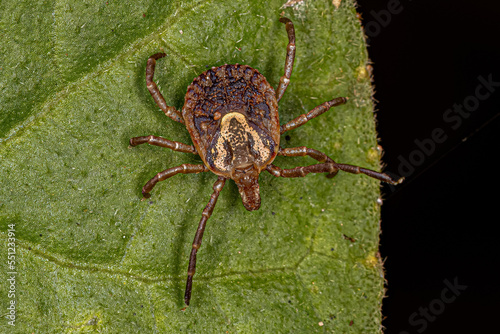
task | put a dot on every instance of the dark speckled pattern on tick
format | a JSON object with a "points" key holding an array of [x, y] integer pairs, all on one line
{"points": [[212, 101]]}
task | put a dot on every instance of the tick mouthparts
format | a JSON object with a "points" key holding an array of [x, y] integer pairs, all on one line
{"points": [[247, 181], [250, 196]]}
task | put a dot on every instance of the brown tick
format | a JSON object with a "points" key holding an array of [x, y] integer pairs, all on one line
{"points": [[231, 113]]}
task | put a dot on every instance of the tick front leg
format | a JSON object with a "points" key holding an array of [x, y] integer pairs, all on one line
{"points": [[183, 169], [207, 212], [290, 57], [159, 141], [304, 118], [155, 92]]}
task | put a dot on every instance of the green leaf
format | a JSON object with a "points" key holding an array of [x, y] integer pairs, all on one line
{"points": [[91, 256]]}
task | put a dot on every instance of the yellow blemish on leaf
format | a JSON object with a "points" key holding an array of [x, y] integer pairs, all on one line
{"points": [[372, 156], [362, 73], [371, 261]]}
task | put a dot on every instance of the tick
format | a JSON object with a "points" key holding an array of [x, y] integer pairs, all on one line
{"points": [[231, 113]]}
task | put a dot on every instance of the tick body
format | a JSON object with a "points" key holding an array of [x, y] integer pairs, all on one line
{"points": [[231, 113]]}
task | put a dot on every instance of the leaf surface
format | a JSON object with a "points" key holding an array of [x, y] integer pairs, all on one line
{"points": [[91, 256]]}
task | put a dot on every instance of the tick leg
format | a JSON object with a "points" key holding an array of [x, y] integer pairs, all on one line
{"points": [[303, 151], [327, 166], [304, 118], [183, 169], [159, 141], [290, 57], [207, 212], [371, 173], [155, 92], [300, 171]]}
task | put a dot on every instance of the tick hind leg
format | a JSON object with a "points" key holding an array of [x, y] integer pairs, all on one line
{"points": [[327, 165], [155, 92], [183, 169], [207, 212], [290, 57]]}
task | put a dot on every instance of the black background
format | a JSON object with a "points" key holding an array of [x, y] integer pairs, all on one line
{"points": [[443, 222]]}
